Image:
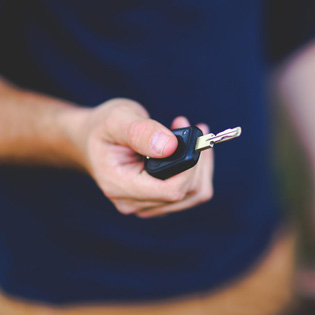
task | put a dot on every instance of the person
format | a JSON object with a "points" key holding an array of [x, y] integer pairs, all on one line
{"points": [[73, 189]]}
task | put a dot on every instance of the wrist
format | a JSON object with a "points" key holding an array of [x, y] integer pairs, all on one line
{"points": [[39, 130], [73, 123], [58, 131]]}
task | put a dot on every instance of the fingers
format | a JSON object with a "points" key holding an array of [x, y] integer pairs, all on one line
{"points": [[180, 122], [121, 128], [129, 206], [204, 128], [129, 126], [171, 190], [200, 191], [191, 200], [206, 164], [146, 186], [149, 138], [126, 178], [174, 189]]}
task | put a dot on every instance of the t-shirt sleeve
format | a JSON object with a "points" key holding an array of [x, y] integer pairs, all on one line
{"points": [[3, 13], [289, 25]]}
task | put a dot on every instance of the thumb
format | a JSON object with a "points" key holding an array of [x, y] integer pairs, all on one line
{"points": [[147, 137]]}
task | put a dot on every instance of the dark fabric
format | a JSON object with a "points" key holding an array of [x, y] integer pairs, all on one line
{"points": [[289, 25], [61, 240]]}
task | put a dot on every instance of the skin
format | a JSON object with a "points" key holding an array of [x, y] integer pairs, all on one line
{"points": [[295, 84], [105, 142], [108, 143], [296, 88]]}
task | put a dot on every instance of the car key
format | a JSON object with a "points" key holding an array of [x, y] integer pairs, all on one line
{"points": [[191, 142]]}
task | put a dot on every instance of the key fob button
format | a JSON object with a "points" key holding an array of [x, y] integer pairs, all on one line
{"points": [[182, 159]]}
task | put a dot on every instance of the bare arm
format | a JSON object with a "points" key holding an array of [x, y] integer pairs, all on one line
{"points": [[105, 142], [34, 129], [297, 90]]}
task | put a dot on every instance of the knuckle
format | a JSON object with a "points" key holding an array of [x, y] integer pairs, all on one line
{"points": [[194, 187], [205, 198], [176, 196], [136, 130], [124, 208], [207, 195], [110, 193], [128, 104]]}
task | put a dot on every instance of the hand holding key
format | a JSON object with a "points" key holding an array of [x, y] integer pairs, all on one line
{"points": [[191, 142], [118, 134]]}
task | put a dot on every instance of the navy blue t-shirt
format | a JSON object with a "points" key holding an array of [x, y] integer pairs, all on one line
{"points": [[61, 240]]}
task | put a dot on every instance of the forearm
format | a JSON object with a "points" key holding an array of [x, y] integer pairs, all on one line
{"points": [[38, 130], [297, 90], [107, 142]]}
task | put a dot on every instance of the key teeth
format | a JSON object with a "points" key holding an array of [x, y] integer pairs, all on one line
{"points": [[238, 131], [226, 135]]}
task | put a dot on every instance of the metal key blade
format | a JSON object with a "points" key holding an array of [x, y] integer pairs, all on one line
{"points": [[208, 141]]}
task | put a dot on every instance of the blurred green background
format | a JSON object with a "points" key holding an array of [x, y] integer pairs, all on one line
{"points": [[294, 187]]}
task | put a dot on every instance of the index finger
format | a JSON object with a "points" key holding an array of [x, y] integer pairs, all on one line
{"points": [[146, 187]]}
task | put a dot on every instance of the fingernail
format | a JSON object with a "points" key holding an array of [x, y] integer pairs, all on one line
{"points": [[159, 141]]}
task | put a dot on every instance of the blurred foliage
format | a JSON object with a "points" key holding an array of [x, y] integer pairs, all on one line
{"points": [[294, 187], [293, 181]]}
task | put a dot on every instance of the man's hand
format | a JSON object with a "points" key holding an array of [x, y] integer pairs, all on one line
{"points": [[117, 135], [108, 142]]}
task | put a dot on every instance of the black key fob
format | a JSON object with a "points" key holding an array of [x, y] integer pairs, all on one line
{"points": [[181, 160]]}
